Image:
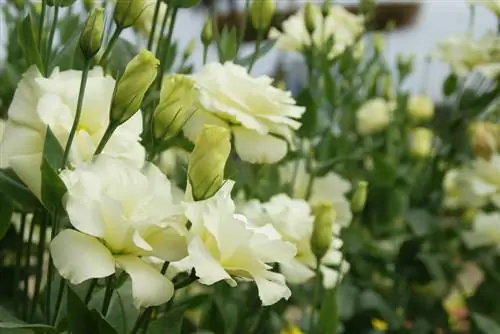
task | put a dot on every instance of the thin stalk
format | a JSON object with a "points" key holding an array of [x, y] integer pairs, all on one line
{"points": [[52, 33], [50, 271], [110, 46], [107, 295], [78, 112], [205, 53], [162, 32], [88, 295], [260, 36], [39, 263], [28, 262], [243, 26], [105, 138], [60, 294], [19, 256], [166, 49], [317, 288], [40, 24], [153, 27]]}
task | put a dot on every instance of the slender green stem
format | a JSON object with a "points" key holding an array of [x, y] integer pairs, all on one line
{"points": [[317, 288], [52, 33], [28, 262], [39, 263], [60, 294], [50, 271], [260, 36], [166, 49], [205, 53], [107, 295], [105, 138], [78, 112], [162, 31], [244, 21], [153, 26], [40, 24], [110, 46], [19, 257], [92, 286]]}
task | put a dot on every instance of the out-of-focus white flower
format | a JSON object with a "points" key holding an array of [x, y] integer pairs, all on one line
{"points": [[144, 23], [463, 188], [373, 116], [171, 159], [120, 213], [465, 54], [485, 231], [51, 102], [261, 117], [493, 5], [420, 108], [339, 24], [330, 187], [224, 246], [421, 142], [293, 220]]}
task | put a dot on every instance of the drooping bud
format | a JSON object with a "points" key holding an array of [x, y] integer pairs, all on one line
{"points": [[208, 160], [310, 17], [324, 217], [484, 139], [358, 200], [92, 33], [207, 32], [178, 101], [420, 108], [261, 13], [127, 12], [421, 140], [325, 8], [139, 74]]}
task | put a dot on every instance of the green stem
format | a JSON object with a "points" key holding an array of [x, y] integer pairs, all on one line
{"points": [[78, 112], [52, 33], [110, 46], [166, 49], [243, 26], [28, 264], [60, 294], [105, 138], [39, 263], [40, 24], [50, 271], [153, 26], [88, 295], [107, 295], [260, 36], [162, 31], [317, 288], [19, 257], [205, 53]]}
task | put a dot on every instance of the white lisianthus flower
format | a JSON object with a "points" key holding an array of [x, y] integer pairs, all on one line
{"points": [[120, 214], [339, 24], [262, 118], [485, 231], [223, 246], [373, 116], [293, 220], [41, 102], [330, 187]]}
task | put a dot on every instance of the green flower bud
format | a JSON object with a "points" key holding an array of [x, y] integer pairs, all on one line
{"points": [[378, 43], [127, 12], [19, 4], [421, 143], [358, 200], [261, 13], [88, 4], [208, 160], [139, 74], [178, 101], [325, 8], [92, 34], [324, 217], [309, 18], [207, 34]]}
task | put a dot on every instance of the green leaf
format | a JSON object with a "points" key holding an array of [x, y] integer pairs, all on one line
{"points": [[53, 188], [122, 53], [450, 85], [421, 222], [42, 329], [371, 300], [6, 210], [65, 58], [7, 317], [329, 315], [170, 323], [309, 119], [13, 188], [27, 40], [485, 324], [81, 320], [264, 48]]}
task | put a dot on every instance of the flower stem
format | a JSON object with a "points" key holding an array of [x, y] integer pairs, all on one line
{"points": [[107, 295], [260, 36], [166, 49], [153, 26], [19, 256], [52, 33], [39, 262], [162, 31], [78, 112], [110, 46], [105, 138], [243, 26], [317, 288], [205, 53], [40, 24], [60, 294], [28, 263], [88, 295]]}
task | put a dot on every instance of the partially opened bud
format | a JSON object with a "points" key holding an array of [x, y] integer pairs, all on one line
{"points": [[208, 160], [358, 200], [324, 217], [139, 75], [421, 143], [420, 108], [127, 12], [484, 139], [309, 17], [178, 101], [261, 12], [207, 32], [92, 33]]}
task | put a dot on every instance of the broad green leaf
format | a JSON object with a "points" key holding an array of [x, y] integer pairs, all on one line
{"points": [[329, 315], [13, 188], [42, 329], [485, 324], [421, 222], [53, 187], [27, 40], [450, 85], [6, 210]]}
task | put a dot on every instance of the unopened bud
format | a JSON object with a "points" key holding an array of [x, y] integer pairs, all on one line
{"points": [[421, 140], [310, 17], [378, 43], [88, 4], [178, 101], [92, 33], [19, 4], [324, 217], [188, 51], [261, 12], [127, 12], [325, 8], [388, 87], [208, 160], [358, 200], [139, 74], [484, 139], [207, 32], [405, 65], [420, 108]]}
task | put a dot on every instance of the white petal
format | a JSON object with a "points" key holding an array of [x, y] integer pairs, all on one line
{"points": [[79, 257], [85, 215], [149, 286], [168, 244], [27, 167], [272, 287], [256, 148], [208, 269], [330, 277], [296, 272]]}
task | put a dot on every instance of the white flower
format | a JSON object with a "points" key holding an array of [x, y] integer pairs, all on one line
{"points": [[51, 102], [292, 219], [373, 116], [463, 188], [340, 24], [223, 246], [330, 187], [262, 118], [120, 214], [485, 231]]}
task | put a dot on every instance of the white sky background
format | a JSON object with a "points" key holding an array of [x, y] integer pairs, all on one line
{"points": [[437, 20]]}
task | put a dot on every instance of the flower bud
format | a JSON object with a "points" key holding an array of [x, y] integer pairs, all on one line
{"points": [[261, 13], [139, 74], [208, 160], [388, 87], [207, 32], [373, 116], [484, 139], [88, 4], [309, 17], [420, 108], [127, 12], [378, 43], [188, 51], [405, 65], [92, 34], [325, 8], [358, 200], [324, 217], [19, 4], [178, 101], [37, 7], [421, 143]]}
